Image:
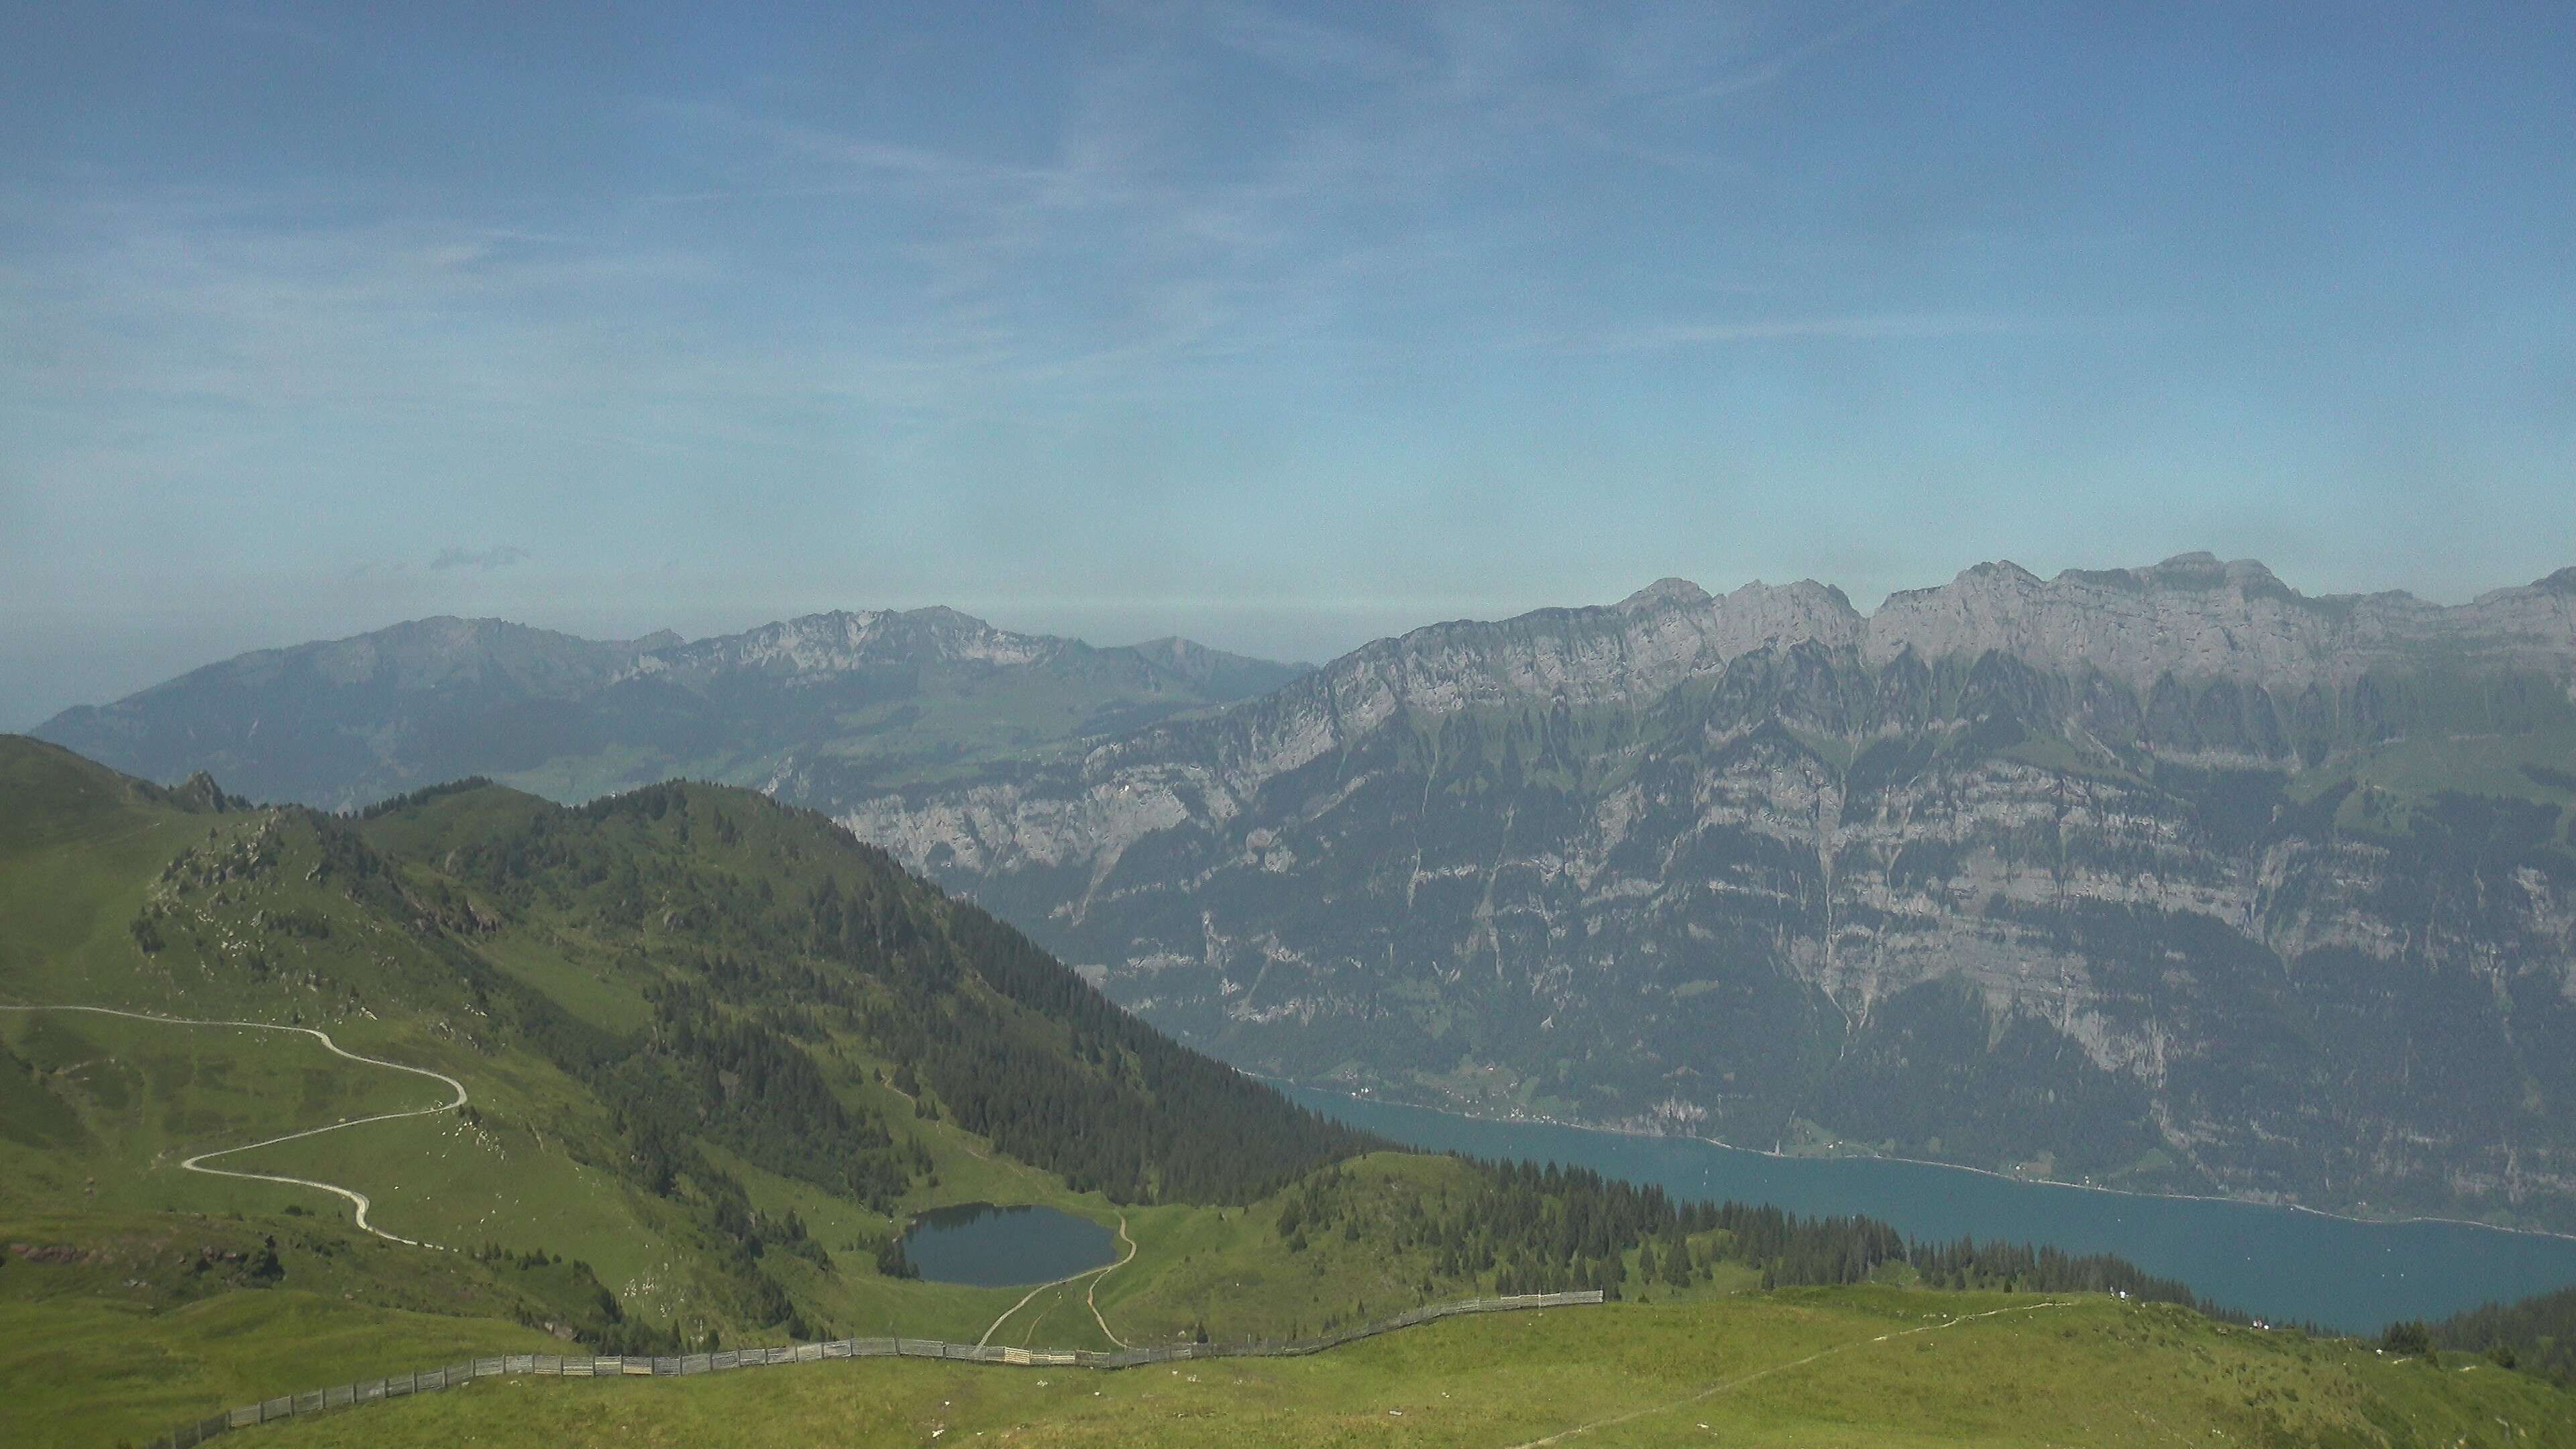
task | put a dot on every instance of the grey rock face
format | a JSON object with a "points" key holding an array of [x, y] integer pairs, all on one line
{"points": [[2166, 876], [842, 641]]}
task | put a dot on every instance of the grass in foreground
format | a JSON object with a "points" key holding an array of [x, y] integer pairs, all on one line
{"points": [[1846, 1367], [91, 1371]]}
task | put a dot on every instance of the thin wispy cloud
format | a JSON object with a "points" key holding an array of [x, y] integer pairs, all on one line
{"points": [[1775, 68], [1159, 259], [1891, 327], [1190, 299], [1304, 49]]}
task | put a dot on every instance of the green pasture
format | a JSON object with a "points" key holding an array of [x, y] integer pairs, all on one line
{"points": [[125, 1101], [1845, 1367], [95, 1373]]}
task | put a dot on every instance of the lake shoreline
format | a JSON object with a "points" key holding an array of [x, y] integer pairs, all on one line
{"points": [[1005, 1245], [1639, 1134]]}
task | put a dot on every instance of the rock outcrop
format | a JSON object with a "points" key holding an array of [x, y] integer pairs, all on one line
{"points": [[2170, 877]]}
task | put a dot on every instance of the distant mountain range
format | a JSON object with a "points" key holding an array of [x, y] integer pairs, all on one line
{"points": [[2167, 878], [838, 705]]}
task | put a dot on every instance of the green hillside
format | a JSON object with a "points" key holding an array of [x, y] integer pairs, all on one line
{"points": [[1846, 1367], [696, 1026], [715, 1054]]}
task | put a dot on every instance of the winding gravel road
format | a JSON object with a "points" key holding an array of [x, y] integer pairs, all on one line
{"points": [[356, 1198]]}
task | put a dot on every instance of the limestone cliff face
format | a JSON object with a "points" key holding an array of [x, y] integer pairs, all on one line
{"points": [[843, 641], [2165, 876], [2196, 618]]}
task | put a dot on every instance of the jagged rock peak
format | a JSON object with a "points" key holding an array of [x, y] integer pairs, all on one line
{"points": [[2002, 570], [200, 793], [2191, 616], [1681, 596], [2193, 572], [1826, 600], [853, 623], [1665, 594], [843, 639], [2205, 571]]}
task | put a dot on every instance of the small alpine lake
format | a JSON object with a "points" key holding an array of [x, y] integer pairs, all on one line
{"points": [[2276, 1262], [985, 1246]]}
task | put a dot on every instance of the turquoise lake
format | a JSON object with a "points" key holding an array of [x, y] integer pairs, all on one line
{"points": [[2273, 1262], [998, 1247]]}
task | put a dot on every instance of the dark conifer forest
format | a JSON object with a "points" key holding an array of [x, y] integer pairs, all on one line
{"points": [[773, 937], [2537, 1335]]}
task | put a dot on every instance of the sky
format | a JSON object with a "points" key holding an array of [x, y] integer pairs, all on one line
{"points": [[1279, 326]]}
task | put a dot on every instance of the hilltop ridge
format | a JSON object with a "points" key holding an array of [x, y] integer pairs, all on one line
{"points": [[850, 698]]}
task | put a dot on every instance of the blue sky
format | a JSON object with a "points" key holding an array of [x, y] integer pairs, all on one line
{"points": [[1280, 326]]}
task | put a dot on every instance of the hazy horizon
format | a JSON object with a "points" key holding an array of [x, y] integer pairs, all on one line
{"points": [[1310, 636], [1280, 327]]}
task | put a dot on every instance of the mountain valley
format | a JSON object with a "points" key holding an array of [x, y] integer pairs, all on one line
{"points": [[2169, 878]]}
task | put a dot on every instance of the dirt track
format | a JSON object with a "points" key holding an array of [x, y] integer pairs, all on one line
{"points": [[356, 1198]]}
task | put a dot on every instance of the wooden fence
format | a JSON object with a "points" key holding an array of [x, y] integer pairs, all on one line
{"points": [[398, 1386]]}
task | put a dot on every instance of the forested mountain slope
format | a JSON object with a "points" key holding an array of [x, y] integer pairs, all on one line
{"points": [[714, 1053], [2536, 1335], [2167, 877], [832, 705], [693, 1020]]}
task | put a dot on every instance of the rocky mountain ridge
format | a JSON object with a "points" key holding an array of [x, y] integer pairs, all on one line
{"points": [[842, 640], [2191, 616], [2190, 620], [2168, 876]]}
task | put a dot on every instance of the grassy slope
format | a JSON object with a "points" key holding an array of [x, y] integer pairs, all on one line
{"points": [[101, 1109], [1851, 1367], [120, 1324], [92, 1372], [148, 1094], [98, 1110]]}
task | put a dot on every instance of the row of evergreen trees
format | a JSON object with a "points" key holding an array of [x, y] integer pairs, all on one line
{"points": [[1546, 1229], [2535, 1334]]}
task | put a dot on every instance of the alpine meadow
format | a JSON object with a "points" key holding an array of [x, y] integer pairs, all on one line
{"points": [[1236, 723]]}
